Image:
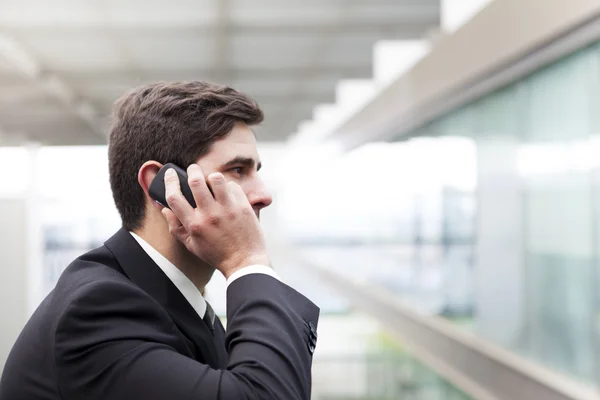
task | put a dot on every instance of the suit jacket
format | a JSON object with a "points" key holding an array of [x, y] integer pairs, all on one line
{"points": [[116, 328]]}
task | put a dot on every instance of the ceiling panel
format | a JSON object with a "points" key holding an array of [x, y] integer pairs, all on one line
{"points": [[26, 97], [13, 116], [261, 12], [61, 51], [20, 14], [6, 68], [264, 86], [31, 12], [130, 77], [264, 51], [288, 55], [99, 92], [158, 13], [399, 13], [348, 50], [9, 78], [169, 50]]}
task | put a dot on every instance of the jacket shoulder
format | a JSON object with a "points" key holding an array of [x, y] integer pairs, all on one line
{"points": [[97, 268]]}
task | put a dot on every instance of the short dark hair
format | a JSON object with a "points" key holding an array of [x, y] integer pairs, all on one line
{"points": [[168, 122]]}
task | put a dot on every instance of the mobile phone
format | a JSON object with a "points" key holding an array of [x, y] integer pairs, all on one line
{"points": [[157, 190]]}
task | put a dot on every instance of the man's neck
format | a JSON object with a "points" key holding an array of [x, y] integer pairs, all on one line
{"points": [[173, 250]]}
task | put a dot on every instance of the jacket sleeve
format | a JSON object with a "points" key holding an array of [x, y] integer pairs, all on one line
{"points": [[114, 342]]}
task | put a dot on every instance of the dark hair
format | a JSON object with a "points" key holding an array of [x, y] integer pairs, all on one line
{"points": [[168, 122]]}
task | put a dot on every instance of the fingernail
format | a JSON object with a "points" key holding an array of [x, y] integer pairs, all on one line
{"points": [[170, 173]]}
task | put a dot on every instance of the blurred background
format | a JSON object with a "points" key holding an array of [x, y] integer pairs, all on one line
{"points": [[435, 166]]}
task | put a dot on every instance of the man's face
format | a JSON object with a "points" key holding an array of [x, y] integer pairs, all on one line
{"points": [[236, 157]]}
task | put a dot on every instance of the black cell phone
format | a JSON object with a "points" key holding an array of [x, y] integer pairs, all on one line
{"points": [[157, 189]]}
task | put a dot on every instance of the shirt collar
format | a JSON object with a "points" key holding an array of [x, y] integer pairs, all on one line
{"points": [[181, 282]]}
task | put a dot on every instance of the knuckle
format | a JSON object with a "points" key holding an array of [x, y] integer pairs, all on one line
{"points": [[195, 181], [246, 210], [171, 179], [213, 220], [172, 229], [171, 198], [231, 214], [217, 178], [195, 228]]}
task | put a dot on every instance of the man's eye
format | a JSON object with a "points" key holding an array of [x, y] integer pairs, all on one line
{"points": [[238, 170]]}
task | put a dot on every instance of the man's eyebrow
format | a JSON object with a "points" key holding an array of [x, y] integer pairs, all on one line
{"points": [[245, 161]]}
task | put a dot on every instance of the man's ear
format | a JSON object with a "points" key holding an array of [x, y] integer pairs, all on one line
{"points": [[146, 174]]}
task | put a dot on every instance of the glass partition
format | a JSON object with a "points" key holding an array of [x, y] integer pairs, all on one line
{"points": [[487, 216]]}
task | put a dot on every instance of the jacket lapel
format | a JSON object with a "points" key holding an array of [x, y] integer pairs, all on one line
{"points": [[143, 271]]}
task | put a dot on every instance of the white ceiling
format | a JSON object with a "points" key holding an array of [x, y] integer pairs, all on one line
{"points": [[64, 62]]}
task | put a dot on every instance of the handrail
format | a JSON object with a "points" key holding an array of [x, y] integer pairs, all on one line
{"points": [[479, 367]]}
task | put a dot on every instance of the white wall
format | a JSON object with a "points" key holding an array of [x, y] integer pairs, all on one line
{"points": [[13, 272]]}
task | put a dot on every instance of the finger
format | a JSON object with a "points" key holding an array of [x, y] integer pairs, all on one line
{"points": [[199, 188], [220, 189], [239, 197], [237, 194], [175, 199], [175, 227], [171, 218]]}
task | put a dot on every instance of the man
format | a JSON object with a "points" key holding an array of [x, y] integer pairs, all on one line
{"points": [[127, 320]]}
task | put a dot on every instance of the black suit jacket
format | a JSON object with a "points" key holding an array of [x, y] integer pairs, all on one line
{"points": [[116, 328]]}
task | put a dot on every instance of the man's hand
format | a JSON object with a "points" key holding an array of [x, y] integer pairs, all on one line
{"points": [[223, 230]]}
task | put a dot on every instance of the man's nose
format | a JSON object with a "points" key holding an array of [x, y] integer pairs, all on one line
{"points": [[259, 196]]}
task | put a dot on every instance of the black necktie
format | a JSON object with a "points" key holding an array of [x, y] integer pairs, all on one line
{"points": [[209, 318]]}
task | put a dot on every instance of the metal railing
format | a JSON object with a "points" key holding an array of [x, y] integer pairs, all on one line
{"points": [[386, 375], [480, 368]]}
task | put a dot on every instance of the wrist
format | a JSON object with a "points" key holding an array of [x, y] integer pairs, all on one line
{"points": [[230, 267]]}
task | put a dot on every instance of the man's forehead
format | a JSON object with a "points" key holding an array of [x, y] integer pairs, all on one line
{"points": [[240, 142], [224, 151], [234, 149]]}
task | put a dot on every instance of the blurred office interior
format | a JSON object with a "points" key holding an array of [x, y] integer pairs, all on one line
{"points": [[435, 166]]}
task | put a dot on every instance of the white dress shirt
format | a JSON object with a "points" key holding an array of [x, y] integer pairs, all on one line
{"points": [[182, 282]]}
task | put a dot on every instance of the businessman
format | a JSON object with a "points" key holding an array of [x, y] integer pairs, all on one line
{"points": [[128, 320]]}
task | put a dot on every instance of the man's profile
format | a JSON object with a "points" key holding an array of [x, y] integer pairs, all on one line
{"points": [[128, 320]]}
